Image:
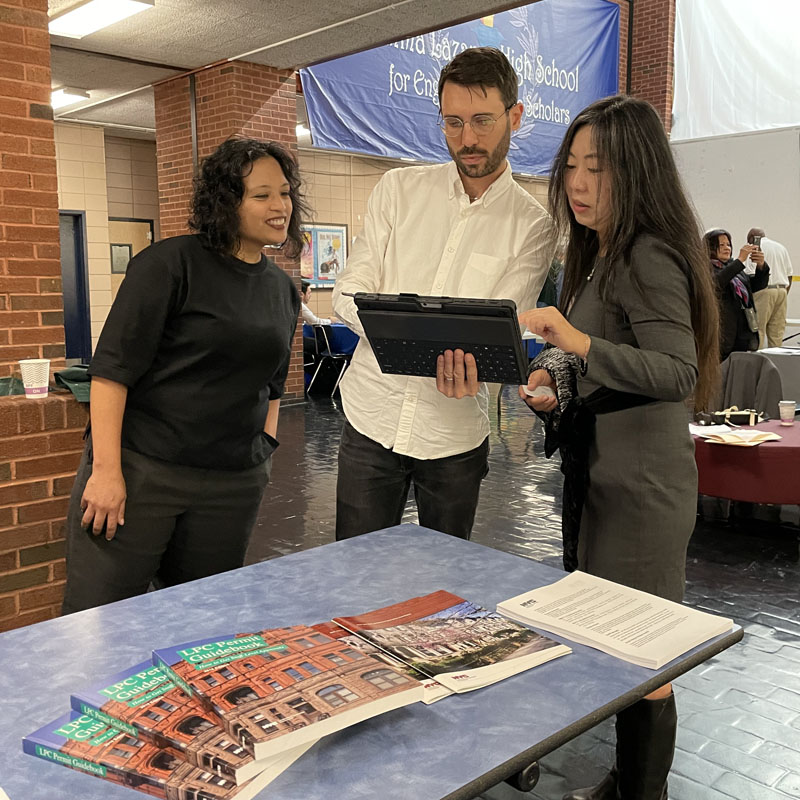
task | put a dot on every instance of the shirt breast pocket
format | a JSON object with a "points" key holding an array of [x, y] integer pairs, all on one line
{"points": [[480, 275]]}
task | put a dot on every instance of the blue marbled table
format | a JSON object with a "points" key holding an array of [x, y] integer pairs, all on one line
{"points": [[453, 749]]}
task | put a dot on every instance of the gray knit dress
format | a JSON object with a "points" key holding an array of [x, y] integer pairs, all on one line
{"points": [[642, 500]]}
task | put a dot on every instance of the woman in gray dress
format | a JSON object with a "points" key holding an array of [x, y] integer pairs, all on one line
{"points": [[635, 335]]}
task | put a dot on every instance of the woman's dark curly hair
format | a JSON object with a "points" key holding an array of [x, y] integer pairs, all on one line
{"points": [[219, 189]]}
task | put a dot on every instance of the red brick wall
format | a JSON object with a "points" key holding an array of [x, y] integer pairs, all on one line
{"points": [[40, 446], [652, 62], [31, 311], [624, 9], [173, 156], [39, 439], [235, 98]]}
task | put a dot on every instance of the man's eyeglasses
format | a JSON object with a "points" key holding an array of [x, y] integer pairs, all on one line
{"points": [[481, 124]]}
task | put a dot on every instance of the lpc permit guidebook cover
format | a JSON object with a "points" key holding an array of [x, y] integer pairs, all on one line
{"points": [[144, 702], [460, 645], [88, 745], [627, 623], [277, 689]]}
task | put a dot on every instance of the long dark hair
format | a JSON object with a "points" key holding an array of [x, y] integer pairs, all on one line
{"points": [[711, 241], [219, 189], [647, 197]]}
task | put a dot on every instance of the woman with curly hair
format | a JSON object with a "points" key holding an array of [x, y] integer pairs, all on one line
{"points": [[186, 385]]}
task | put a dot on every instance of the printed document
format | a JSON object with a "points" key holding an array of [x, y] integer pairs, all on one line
{"points": [[626, 623]]}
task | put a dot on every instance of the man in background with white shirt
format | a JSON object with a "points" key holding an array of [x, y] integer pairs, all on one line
{"points": [[463, 229], [770, 303], [309, 317]]}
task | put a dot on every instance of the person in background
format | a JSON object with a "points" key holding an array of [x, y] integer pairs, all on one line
{"points": [[462, 229], [186, 386], [309, 317], [635, 335], [735, 291], [770, 302]]}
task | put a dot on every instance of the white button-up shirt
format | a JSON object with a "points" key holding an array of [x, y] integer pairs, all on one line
{"points": [[780, 265], [422, 235]]}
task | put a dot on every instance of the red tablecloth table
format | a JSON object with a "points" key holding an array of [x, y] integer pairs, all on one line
{"points": [[766, 473]]}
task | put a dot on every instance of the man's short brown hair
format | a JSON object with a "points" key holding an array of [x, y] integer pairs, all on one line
{"points": [[486, 67]]}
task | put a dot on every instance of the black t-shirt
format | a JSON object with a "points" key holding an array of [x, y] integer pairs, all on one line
{"points": [[203, 342]]}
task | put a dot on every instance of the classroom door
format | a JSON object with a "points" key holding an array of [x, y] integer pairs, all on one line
{"points": [[75, 286]]}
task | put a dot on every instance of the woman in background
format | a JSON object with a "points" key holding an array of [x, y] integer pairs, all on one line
{"points": [[738, 326], [186, 386], [635, 335]]}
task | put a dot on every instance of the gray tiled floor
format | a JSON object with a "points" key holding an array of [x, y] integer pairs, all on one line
{"points": [[739, 733]]}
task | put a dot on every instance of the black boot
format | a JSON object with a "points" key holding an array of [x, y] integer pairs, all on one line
{"points": [[605, 790], [645, 747]]}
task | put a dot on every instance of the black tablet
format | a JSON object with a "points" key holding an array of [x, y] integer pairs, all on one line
{"points": [[408, 332]]}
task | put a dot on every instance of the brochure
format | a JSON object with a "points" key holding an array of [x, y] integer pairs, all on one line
{"points": [[460, 645]]}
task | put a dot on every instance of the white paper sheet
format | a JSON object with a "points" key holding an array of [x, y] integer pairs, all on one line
{"points": [[708, 430]]}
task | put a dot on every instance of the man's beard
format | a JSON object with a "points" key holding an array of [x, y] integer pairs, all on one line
{"points": [[492, 162]]}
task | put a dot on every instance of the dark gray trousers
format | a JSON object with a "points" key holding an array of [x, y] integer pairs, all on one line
{"points": [[373, 484], [181, 523]]}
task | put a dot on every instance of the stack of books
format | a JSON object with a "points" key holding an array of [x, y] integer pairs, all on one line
{"points": [[222, 717]]}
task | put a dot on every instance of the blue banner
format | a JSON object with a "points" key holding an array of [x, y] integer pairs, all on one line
{"points": [[384, 101]]}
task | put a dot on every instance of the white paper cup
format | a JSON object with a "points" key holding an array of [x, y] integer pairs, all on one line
{"points": [[35, 376], [787, 409]]}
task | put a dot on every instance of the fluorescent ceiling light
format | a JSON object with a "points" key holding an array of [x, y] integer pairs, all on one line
{"points": [[92, 15], [67, 96]]}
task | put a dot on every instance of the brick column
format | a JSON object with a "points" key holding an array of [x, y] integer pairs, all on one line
{"points": [[234, 98], [31, 311], [40, 440], [653, 60], [624, 10]]}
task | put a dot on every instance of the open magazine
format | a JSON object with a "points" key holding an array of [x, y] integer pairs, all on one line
{"points": [[432, 690], [743, 438], [627, 623], [459, 645]]}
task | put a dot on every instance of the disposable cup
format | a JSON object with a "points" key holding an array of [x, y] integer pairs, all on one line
{"points": [[35, 376], [787, 409]]}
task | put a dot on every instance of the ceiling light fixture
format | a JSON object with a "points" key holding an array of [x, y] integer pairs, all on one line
{"points": [[67, 96], [89, 16]]}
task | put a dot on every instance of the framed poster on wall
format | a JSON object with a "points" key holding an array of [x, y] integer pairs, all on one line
{"points": [[324, 253]]}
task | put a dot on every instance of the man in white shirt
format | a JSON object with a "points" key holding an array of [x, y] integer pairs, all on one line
{"points": [[309, 317], [770, 303], [463, 228]]}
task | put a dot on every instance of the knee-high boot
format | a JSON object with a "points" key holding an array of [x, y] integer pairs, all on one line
{"points": [[645, 747]]}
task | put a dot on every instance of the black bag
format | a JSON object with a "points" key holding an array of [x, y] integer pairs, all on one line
{"points": [[733, 416]]}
